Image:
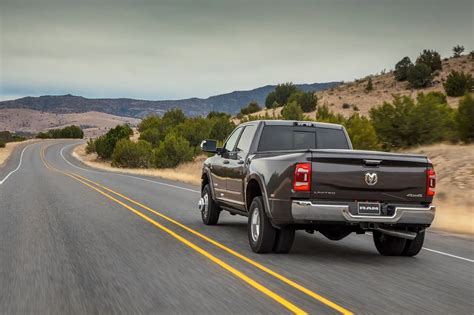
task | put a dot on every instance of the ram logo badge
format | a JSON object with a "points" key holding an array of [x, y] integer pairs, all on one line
{"points": [[371, 178]]}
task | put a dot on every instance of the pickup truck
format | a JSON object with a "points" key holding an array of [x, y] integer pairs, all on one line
{"points": [[298, 175]]}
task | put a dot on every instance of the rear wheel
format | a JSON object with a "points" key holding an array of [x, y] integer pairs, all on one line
{"points": [[413, 247], [260, 231], [388, 245], [284, 240], [209, 209]]}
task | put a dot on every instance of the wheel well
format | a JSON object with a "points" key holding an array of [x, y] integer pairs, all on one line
{"points": [[204, 181], [253, 190]]}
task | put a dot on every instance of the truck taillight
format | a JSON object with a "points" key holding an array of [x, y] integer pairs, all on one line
{"points": [[430, 182], [302, 177]]}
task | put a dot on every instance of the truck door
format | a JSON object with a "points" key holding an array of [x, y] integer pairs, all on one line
{"points": [[220, 169], [237, 167]]}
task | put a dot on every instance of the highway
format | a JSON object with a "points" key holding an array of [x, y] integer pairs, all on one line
{"points": [[74, 240]]}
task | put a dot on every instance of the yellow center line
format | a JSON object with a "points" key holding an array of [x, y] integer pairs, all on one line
{"points": [[280, 277], [290, 306]]}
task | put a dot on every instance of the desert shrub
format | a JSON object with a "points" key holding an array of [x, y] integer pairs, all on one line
{"points": [[465, 118], [43, 135], [214, 114], [430, 58], [457, 51], [280, 95], [369, 87], [221, 128], [152, 135], [152, 121], [172, 151], [251, 108], [173, 117], [323, 114], [419, 76], [458, 83], [6, 136], [90, 146], [355, 108], [362, 133], [105, 144], [2, 144], [194, 130], [292, 111], [404, 123], [307, 100], [346, 105], [132, 154], [401, 69]]}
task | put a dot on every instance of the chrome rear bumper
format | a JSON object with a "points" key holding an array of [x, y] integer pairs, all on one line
{"points": [[313, 212]]}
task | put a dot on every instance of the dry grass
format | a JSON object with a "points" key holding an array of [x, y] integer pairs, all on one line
{"points": [[9, 148], [33, 121], [187, 172], [385, 86], [453, 164]]}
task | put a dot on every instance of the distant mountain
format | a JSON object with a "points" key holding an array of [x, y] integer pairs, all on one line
{"points": [[229, 102]]}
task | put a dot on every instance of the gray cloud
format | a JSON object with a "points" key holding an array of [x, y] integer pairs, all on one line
{"points": [[174, 49]]}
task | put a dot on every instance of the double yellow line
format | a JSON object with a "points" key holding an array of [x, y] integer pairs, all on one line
{"points": [[290, 306]]}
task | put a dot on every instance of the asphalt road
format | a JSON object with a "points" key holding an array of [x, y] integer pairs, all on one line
{"points": [[74, 240]]}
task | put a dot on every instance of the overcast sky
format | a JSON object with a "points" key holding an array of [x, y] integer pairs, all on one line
{"points": [[153, 49]]}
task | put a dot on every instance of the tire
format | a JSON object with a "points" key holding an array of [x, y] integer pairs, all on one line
{"points": [[260, 231], [413, 247], [210, 210], [388, 245], [284, 240]]}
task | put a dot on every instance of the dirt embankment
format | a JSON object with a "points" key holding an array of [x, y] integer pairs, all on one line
{"points": [[454, 166], [7, 151]]}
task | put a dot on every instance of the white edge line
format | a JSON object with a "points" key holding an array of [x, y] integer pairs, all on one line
{"points": [[19, 164], [439, 252], [124, 175], [449, 255]]}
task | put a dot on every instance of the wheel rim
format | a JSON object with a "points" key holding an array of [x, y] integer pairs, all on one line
{"points": [[255, 225], [205, 208]]}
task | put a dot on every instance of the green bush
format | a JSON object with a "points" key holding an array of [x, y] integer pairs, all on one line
{"points": [[105, 145], [90, 146], [251, 108], [194, 130], [5, 136], [131, 154], [43, 135], [152, 121], [173, 117], [465, 118], [401, 69], [307, 100], [419, 76], [152, 135], [362, 133], [172, 151], [458, 83], [69, 132], [292, 111], [221, 128], [2, 144], [430, 58], [405, 123], [369, 87], [280, 95], [457, 51]]}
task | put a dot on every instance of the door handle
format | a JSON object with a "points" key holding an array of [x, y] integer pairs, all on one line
{"points": [[226, 162], [241, 162]]}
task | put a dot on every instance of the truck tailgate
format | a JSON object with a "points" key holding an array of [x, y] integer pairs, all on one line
{"points": [[368, 176]]}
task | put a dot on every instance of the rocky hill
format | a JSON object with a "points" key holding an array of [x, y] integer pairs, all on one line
{"points": [[356, 98], [229, 102]]}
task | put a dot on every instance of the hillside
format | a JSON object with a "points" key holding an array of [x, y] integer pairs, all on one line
{"points": [[33, 121], [229, 102], [385, 86]]}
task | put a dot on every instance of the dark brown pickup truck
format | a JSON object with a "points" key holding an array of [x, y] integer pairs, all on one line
{"points": [[290, 175]]}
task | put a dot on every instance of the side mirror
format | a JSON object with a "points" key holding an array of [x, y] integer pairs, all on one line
{"points": [[209, 146]]}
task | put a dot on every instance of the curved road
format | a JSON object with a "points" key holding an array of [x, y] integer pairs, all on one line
{"points": [[77, 240]]}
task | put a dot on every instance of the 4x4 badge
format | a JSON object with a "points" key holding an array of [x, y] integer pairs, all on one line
{"points": [[371, 178]]}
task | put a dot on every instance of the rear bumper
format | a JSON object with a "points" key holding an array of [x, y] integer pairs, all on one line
{"points": [[308, 212]]}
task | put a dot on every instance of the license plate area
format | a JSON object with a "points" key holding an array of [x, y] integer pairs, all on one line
{"points": [[368, 208]]}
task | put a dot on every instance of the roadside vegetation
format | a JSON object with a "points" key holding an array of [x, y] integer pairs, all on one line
{"points": [[69, 132]]}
